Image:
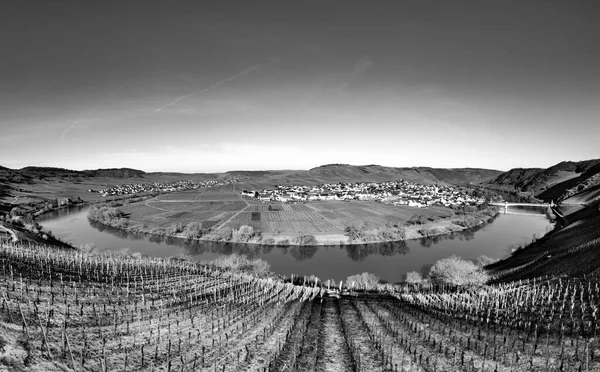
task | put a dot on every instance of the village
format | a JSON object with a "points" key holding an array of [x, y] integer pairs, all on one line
{"points": [[394, 192], [162, 187]]}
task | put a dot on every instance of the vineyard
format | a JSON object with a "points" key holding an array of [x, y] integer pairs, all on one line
{"points": [[72, 311]]}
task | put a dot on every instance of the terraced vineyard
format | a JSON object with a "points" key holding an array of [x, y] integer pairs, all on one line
{"points": [[72, 311]]}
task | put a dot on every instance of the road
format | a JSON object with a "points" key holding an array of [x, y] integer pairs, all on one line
{"points": [[520, 204], [9, 231]]}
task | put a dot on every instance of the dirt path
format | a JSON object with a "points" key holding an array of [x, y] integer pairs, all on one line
{"points": [[310, 346], [10, 232], [332, 355], [232, 217], [358, 334], [151, 206]]}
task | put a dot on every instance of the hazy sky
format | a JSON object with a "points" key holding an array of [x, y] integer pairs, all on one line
{"points": [[201, 86]]}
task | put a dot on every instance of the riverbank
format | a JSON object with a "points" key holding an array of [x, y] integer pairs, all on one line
{"points": [[16, 233], [367, 235]]}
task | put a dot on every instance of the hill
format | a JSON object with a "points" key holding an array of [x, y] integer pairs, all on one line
{"points": [[567, 181], [28, 173], [377, 173], [114, 173]]}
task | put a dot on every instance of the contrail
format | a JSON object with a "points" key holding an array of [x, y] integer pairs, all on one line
{"points": [[64, 133], [88, 112], [231, 78]]}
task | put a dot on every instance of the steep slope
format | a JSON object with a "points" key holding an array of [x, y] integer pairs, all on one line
{"points": [[461, 175], [571, 250], [515, 177], [560, 182]]}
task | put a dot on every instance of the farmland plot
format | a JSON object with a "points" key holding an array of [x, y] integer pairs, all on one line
{"points": [[223, 193], [223, 210], [231, 206], [186, 195]]}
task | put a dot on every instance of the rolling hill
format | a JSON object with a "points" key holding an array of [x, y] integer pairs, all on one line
{"points": [[377, 173], [23, 174]]}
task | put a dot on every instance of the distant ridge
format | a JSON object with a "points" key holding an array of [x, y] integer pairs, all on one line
{"points": [[373, 172], [114, 173], [322, 174], [46, 172]]}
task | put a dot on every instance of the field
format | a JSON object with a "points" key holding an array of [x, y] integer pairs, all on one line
{"points": [[223, 209], [72, 311]]}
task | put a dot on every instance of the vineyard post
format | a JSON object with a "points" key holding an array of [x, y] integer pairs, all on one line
{"points": [[70, 349], [25, 328], [587, 360], [5, 301], [44, 335]]}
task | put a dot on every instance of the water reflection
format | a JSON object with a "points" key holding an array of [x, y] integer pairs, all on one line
{"points": [[359, 252], [356, 252], [301, 253], [390, 261], [119, 233]]}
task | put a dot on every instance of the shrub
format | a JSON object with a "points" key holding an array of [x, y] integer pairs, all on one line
{"points": [[268, 241], [454, 270], [245, 233], [237, 262], [362, 281], [177, 227], [435, 231], [193, 230], [306, 240], [330, 283], [283, 243], [467, 221], [105, 214], [391, 233], [414, 278], [223, 235], [417, 220], [354, 233]]}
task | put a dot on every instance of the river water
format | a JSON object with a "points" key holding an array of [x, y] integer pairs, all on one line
{"points": [[389, 261]]}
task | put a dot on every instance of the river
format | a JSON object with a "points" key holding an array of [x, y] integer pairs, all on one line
{"points": [[389, 261]]}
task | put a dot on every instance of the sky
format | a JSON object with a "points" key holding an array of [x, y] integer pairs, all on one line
{"points": [[212, 86]]}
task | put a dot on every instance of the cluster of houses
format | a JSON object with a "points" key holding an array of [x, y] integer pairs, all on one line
{"points": [[161, 187], [394, 192]]}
